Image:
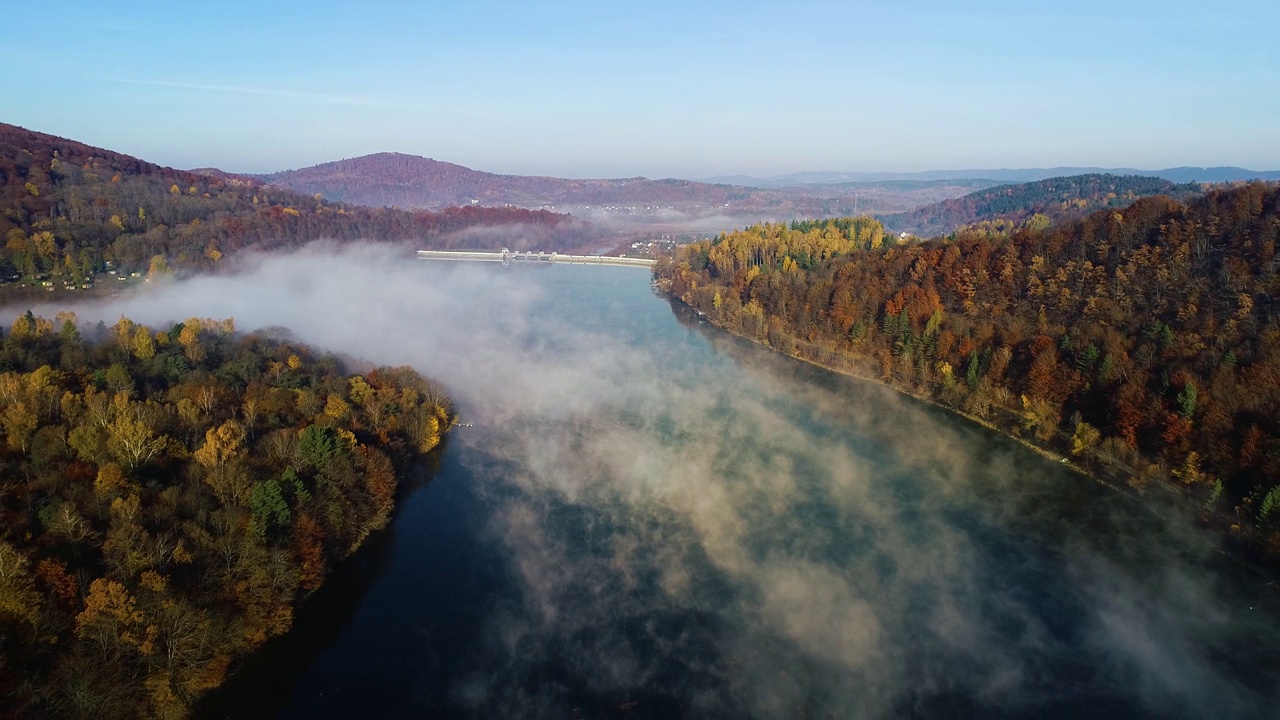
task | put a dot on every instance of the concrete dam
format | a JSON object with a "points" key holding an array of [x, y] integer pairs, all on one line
{"points": [[506, 257]]}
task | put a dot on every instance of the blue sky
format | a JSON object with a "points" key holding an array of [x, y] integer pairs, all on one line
{"points": [[662, 89]]}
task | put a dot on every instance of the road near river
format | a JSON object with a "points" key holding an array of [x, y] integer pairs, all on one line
{"points": [[645, 517]]}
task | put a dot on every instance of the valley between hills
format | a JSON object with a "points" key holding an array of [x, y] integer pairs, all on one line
{"points": [[173, 494]]}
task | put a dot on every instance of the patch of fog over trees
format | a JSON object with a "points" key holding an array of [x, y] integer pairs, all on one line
{"points": [[820, 584]]}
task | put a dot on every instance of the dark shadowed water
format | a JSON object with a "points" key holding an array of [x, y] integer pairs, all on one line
{"points": [[652, 519]]}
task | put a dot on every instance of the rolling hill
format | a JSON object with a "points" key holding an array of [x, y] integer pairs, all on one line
{"points": [[410, 181], [1142, 343], [1055, 198], [72, 214], [418, 182], [1181, 174]]}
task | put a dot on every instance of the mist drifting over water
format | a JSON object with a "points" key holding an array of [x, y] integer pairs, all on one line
{"points": [[693, 526]]}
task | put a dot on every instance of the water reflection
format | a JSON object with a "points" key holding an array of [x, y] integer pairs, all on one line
{"points": [[266, 683]]}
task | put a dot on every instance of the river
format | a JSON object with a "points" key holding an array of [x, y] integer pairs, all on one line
{"points": [[649, 518]]}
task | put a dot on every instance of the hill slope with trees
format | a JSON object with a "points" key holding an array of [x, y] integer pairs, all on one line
{"points": [[1144, 343], [71, 213], [167, 498], [1041, 203]]}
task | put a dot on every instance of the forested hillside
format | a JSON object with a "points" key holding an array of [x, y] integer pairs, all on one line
{"points": [[1039, 203], [70, 214], [1143, 342], [167, 497]]}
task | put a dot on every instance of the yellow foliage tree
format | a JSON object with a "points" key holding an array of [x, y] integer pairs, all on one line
{"points": [[132, 440], [336, 408], [1085, 438], [110, 616], [221, 444], [144, 345], [360, 390], [122, 332], [189, 339], [19, 423], [109, 481], [22, 327], [18, 596], [154, 581], [45, 243]]}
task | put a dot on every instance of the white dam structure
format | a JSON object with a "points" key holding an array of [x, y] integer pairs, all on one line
{"points": [[506, 257]]}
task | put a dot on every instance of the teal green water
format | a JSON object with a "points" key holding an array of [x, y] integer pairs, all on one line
{"points": [[652, 519]]}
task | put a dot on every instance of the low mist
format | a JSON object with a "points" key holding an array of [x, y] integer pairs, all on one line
{"points": [[686, 516]]}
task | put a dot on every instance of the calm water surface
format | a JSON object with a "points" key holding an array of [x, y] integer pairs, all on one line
{"points": [[652, 519]]}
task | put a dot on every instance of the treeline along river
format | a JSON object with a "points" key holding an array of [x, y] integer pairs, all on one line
{"points": [[649, 518]]}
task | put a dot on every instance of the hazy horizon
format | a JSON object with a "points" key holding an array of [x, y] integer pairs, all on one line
{"points": [[574, 89], [889, 173], [724, 177]]}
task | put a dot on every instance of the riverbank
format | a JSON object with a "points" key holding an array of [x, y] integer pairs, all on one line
{"points": [[652, 513], [1244, 550], [169, 499], [268, 674]]}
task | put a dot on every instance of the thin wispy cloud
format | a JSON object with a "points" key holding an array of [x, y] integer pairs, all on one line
{"points": [[317, 98], [283, 94]]}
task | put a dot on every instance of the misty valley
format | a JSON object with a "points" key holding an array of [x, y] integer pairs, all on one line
{"points": [[643, 516], [663, 360], [258, 460]]}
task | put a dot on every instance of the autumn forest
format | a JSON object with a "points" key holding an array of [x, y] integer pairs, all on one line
{"points": [[1142, 343], [168, 496], [76, 218]]}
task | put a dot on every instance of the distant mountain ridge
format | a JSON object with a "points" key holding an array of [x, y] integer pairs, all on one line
{"points": [[410, 181], [418, 182], [391, 179], [1056, 198], [1182, 174], [71, 215]]}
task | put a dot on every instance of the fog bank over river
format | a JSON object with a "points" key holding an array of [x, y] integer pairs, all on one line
{"points": [[650, 518]]}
